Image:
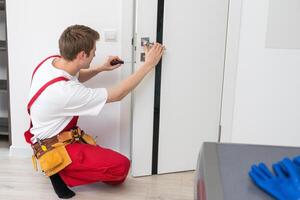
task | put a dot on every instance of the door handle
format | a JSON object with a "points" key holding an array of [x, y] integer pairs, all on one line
{"points": [[145, 41]]}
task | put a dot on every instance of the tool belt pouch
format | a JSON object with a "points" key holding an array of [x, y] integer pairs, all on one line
{"points": [[54, 159]]}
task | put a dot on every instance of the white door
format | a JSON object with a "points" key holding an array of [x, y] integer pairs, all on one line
{"points": [[170, 125]]}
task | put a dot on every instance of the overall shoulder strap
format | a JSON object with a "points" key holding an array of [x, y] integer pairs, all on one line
{"points": [[28, 135], [40, 64], [42, 89]]}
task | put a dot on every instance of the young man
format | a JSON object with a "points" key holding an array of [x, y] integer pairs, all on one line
{"points": [[57, 98]]}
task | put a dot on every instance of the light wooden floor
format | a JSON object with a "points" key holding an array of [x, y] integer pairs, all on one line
{"points": [[18, 181]]}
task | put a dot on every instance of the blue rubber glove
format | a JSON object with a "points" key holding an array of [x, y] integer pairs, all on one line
{"points": [[285, 185], [296, 160]]}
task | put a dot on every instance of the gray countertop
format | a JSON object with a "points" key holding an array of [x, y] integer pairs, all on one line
{"points": [[223, 170]]}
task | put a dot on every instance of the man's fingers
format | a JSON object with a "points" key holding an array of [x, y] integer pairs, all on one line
{"points": [[157, 47], [155, 50], [110, 58], [161, 53], [146, 48], [162, 49]]}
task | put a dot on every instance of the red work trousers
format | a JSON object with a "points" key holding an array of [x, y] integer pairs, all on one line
{"points": [[93, 164]]}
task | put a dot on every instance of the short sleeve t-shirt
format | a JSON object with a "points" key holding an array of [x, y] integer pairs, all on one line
{"points": [[56, 106]]}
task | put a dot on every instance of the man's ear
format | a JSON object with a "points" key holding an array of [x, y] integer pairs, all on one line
{"points": [[81, 55]]}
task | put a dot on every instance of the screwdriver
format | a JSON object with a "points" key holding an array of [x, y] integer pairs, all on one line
{"points": [[115, 62]]}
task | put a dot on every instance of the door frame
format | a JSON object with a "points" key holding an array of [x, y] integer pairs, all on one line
{"points": [[126, 105], [230, 70]]}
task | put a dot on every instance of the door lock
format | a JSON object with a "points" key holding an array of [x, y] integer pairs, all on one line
{"points": [[145, 41]]}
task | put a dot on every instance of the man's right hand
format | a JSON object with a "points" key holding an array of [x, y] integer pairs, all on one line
{"points": [[153, 54], [152, 57]]}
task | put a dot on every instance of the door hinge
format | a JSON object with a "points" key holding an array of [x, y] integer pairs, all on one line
{"points": [[133, 41]]}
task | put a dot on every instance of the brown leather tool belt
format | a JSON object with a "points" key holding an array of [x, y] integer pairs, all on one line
{"points": [[66, 137], [52, 154], [37, 148]]}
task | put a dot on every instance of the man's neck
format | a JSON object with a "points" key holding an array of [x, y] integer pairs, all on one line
{"points": [[69, 66]]}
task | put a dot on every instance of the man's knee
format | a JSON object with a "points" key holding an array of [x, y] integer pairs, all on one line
{"points": [[124, 166]]}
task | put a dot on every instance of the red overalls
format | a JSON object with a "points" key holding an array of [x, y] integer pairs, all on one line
{"points": [[89, 163]]}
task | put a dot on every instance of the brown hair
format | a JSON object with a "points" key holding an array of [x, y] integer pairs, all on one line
{"points": [[77, 38]]}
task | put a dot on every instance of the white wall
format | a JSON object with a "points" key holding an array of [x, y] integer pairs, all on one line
{"points": [[267, 108], [283, 24], [33, 30]]}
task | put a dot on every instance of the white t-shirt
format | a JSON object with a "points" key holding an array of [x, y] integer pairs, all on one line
{"points": [[56, 106]]}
